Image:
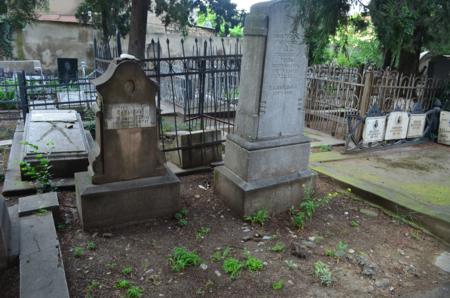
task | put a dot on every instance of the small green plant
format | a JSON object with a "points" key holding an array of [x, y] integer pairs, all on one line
{"points": [[325, 148], [253, 264], [339, 252], [330, 253], [309, 207], [41, 212], [233, 267], [127, 270], [182, 258], [291, 264], [60, 226], [415, 235], [322, 271], [78, 252], [39, 173], [134, 292], [278, 247], [91, 245], [278, 285], [221, 255], [202, 232], [308, 192], [91, 287], [298, 218], [123, 284], [111, 265], [180, 216], [260, 217], [354, 223]]}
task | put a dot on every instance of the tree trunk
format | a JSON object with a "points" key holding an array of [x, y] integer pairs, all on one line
{"points": [[138, 28], [387, 58], [409, 62]]}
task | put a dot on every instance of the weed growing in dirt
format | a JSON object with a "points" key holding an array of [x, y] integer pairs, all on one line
{"points": [[78, 252], [180, 216], [111, 265], [60, 227], [309, 207], [354, 223], [91, 287], [202, 232], [253, 264], [278, 285], [278, 247], [291, 264], [415, 235], [182, 258], [91, 245], [325, 148], [221, 255], [298, 218], [233, 267], [322, 271], [339, 252], [135, 292], [123, 284], [39, 174], [127, 270], [260, 217]]}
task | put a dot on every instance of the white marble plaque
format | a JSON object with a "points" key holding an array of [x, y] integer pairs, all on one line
{"points": [[416, 125], [444, 128], [397, 126], [374, 129], [54, 116], [129, 115]]}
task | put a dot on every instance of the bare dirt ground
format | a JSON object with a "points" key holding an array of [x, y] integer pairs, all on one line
{"points": [[384, 257]]}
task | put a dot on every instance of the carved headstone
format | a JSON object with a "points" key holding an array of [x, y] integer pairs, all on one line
{"points": [[444, 128], [127, 181], [374, 129], [416, 125], [397, 126], [60, 135], [266, 159]]}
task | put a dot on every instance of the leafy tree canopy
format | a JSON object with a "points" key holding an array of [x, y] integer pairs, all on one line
{"points": [[16, 15]]}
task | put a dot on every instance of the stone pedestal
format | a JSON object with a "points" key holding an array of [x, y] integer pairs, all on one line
{"points": [[127, 181], [266, 159]]}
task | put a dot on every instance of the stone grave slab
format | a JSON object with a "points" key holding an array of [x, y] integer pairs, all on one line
{"points": [[416, 125], [9, 234], [127, 181], [31, 204], [374, 129], [60, 135], [444, 128], [266, 158], [397, 126]]}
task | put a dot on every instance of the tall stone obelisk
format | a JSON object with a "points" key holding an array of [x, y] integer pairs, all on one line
{"points": [[266, 159]]}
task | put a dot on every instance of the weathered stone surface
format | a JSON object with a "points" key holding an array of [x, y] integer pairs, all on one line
{"points": [[266, 159], [29, 205], [444, 128], [60, 135], [126, 128], [125, 202], [5, 233], [209, 149], [443, 261], [41, 265]]}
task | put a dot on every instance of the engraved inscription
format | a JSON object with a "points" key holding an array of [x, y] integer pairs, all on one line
{"points": [[416, 125], [130, 115], [374, 129], [444, 128], [397, 126]]}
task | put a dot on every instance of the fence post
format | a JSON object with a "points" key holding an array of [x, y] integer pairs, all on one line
{"points": [[202, 78], [365, 100], [23, 94], [95, 56], [119, 44]]}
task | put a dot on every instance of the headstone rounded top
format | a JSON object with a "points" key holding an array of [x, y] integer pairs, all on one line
{"points": [[264, 6]]}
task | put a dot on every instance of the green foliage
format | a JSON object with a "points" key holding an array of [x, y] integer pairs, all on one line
{"points": [[325, 148], [221, 255], [278, 285], [41, 212], [135, 292], [182, 258], [91, 245], [309, 207], [291, 264], [91, 287], [78, 252], [127, 270], [322, 271], [233, 267], [339, 252], [123, 284], [298, 218], [278, 247], [202, 232], [224, 28], [40, 173], [253, 264], [180, 216], [354, 223], [260, 217]]}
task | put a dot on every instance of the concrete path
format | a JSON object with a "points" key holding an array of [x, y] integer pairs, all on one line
{"points": [[413, 181]]}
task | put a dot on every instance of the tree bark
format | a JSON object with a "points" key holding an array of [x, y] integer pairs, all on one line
{"points": [[138, 28], [387, 58], [409, 57]]}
